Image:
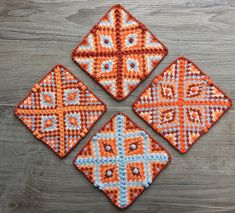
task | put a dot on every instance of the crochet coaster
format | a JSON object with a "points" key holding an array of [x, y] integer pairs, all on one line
{"points": [[182, 104], [119, 52], [122, 160], [60, 110]]}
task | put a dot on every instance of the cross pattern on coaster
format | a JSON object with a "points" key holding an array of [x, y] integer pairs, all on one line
{"points": [[60, 110], [182, 104], [119, 52], [122, 160]]}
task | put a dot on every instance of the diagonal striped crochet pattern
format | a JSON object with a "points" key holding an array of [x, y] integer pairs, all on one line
{"points": [[60, 110], [119, 52], [182, 104], [122, 160]]}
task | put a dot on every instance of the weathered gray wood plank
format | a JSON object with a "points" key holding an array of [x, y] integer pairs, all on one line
{"points": [[36, 35]]}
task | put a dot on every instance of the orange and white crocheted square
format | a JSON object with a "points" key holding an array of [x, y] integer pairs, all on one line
{"points": [[182, 104], [122, 160], [119, 52], [60, 110]]}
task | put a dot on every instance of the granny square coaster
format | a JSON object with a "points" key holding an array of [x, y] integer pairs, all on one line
{"points": [[119, 52], [181, 104], [122, 160], [60, 110]]}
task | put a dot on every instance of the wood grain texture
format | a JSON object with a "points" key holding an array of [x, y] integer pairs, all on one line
{"points": [[37, 34]]}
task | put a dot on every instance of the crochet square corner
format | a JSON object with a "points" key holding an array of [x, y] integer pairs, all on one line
{"points": [[119, 52], [60, 110]]}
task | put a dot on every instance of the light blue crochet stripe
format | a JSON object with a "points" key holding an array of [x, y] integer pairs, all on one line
{"points": [[106, 135], [93, 161], [134, 183], [106, 160], [133, 135], [122, 170]]}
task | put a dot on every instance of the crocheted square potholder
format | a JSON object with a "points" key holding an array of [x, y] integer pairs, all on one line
{"points": [[60, 110], [181, 104], [119, 52], [121, 160]]}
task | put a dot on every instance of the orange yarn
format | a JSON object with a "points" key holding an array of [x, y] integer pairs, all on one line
{"points": [[119, 52], [181, 104], [60, 110], [121, 160]]}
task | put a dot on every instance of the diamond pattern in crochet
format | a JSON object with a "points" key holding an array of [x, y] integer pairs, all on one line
{"points": [[181, 104], [119, 52], [60, 110], [121, 160]]}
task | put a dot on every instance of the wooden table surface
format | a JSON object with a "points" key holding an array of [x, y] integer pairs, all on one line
{"points": [[37, 34]]}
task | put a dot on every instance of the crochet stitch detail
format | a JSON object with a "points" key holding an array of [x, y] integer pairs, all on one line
{"points": [[60, 110], [182, 104], [119, 52], [122, 160]]}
